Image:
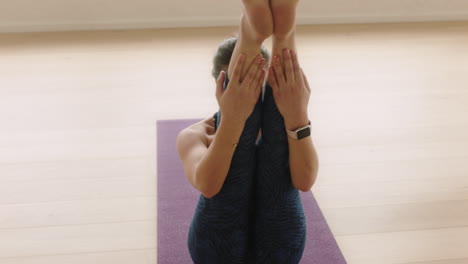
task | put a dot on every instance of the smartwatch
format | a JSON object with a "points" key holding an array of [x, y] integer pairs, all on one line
{"points": [[300, 133]]}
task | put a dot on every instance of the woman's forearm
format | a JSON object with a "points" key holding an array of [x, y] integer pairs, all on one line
{"points": [[213, 168], [303, 163]]}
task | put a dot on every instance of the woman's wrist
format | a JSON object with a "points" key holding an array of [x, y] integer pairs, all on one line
{"points": [[233, 121], [297, 122], [229, 132]]}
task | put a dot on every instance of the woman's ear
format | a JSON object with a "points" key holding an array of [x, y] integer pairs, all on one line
{"points": [[219, 85]]}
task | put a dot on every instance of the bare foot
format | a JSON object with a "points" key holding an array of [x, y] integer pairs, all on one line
{"points": [[257, 19], [284, 17]]}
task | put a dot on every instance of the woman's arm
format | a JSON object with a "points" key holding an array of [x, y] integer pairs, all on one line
{"points": [[207, 167], [291, 92], [303, 161]]}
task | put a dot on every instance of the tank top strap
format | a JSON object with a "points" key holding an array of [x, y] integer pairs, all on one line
{"points": [[215, 120]]}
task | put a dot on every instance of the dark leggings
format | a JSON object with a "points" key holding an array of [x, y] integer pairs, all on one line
{"points": [[257, 215], [280, 229], [221, 229]]}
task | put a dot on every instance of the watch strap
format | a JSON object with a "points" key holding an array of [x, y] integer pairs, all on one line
{"points": [[299, 133]]}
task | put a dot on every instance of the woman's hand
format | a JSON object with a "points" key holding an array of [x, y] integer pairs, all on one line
{"points": [[237, 102], [291, 90]]}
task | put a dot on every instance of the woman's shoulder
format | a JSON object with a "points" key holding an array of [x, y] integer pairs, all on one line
{"points": [[199, 130], [205, 126]]}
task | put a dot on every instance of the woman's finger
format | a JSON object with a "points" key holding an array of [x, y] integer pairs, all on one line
{"points": [[238, 68], [259, 88], [272, 79], [305, 80], [288, 66], [279, 72], [296, 68], [254, 83], [252, 72]]}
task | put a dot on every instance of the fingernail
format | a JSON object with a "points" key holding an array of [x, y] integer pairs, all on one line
{"points": [[258, 59]]}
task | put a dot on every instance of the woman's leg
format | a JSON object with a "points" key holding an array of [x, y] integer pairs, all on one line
{"points": [[256, 25], [284, 20], [280, 229], [221, 227], [279, 216]]}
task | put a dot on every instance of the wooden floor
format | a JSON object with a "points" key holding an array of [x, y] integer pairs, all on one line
{"points": [[78, 115]]}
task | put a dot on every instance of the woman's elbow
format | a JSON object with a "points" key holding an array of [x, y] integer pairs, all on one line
{"points": [[207, 189], [306, 183], [208, 193], [304, 187]]}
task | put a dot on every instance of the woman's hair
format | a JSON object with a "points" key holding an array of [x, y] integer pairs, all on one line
{"points": [[224, 53]]}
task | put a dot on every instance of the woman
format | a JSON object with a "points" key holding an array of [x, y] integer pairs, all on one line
{"points": [[249, 209]]}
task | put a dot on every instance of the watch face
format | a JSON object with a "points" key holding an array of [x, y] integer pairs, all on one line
{"points": [[303, 133]]}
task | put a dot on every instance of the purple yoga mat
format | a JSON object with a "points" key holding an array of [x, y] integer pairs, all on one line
{"points": [[177, 200]]}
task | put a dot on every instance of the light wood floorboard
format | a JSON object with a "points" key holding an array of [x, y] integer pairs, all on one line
{"points": [[78, 115]]}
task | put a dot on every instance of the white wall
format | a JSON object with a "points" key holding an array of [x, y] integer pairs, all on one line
{"points": [[53, 15]]}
